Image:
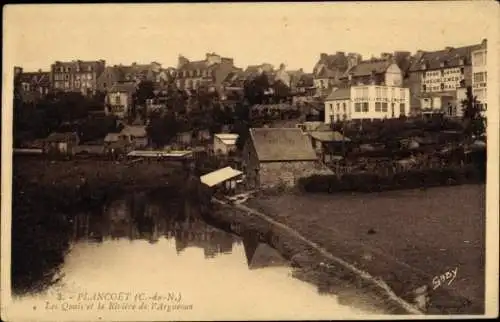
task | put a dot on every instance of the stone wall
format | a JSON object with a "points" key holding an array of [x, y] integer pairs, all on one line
{"points": [[273, 174]]}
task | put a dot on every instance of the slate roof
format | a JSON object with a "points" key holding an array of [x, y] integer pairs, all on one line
{"points": [[123, 87], [282, 144], [365, 68], [41, 79], [339, 94], [306, 80], [451, 56]]}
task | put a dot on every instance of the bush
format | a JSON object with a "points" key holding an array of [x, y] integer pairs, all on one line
{"points": [[370, 182]]}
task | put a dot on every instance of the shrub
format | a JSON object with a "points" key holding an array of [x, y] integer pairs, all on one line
{"points": [[370, 182]]}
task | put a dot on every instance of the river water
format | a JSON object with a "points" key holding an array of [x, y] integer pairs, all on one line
{"points": [[143, 258]]}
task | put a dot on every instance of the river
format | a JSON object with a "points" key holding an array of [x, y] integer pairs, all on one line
{"points": [[146, 257]]}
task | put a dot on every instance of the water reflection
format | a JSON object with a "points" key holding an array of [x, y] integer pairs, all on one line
{"points": [[145, 242]]}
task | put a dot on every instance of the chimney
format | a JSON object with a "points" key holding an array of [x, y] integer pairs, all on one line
{"points": [[39, 70], [282, 67], [323, 56], [340, 53], [182, 61]]}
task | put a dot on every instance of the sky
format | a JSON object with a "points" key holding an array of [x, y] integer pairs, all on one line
{"points": [[291, 33]]}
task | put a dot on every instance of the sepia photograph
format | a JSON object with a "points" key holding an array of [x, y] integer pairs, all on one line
{"points": [[250, 161]]}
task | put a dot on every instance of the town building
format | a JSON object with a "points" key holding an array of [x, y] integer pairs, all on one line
{"points": [[329, 70], [210, 72], [382, 71], [76, 76], [304, 89], [439, 79], [31, 86], [224, 143], [131, 73], [119, 100], [480, 75], [367, 102], [134, 135], [278, 156]]}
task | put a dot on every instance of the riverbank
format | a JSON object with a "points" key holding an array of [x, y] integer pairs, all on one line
{"points": [[404, 238], [45, 195]]}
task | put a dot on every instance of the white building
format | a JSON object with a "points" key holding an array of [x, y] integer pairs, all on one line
{"points": [[479, 75], [367, 102], [224, 143]]}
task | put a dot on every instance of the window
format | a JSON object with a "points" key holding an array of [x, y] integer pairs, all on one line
{"points": [[384, 92], [402, 109], [378, 106], [118, 100], [403, 93], [77, 84], [462, 70], [442, 86], [66, 76], [479, 77], [378, 92], [331, 107], [365, 107], [424, 88], [357, 107], [384, 107], [338, 106], [344, 107]]}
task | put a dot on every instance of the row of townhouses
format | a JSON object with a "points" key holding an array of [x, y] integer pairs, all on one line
{"points": [[393, 85]]}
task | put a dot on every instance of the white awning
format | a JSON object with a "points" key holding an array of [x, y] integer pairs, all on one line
{"points": [[214, 178]]}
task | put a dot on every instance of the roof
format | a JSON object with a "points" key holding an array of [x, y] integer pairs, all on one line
{"points": [[365, 68], [36, 78], [340, 93], [227, 138], [135, 130], [112, 137], [123, 87], [64, 136], [218, 176], [330, 136], [450, 55], [282, 144], [306, 80]]}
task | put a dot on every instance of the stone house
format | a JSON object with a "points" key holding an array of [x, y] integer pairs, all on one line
{"points": [[61, 143], [276, 156]]}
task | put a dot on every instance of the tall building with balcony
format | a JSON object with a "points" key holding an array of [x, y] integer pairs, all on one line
{"points": [[76, 76], [480, 75], [440, 79]]}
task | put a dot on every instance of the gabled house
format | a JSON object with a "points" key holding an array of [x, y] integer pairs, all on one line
{"points": [[374, 72], [329, 70], [278, 156], [119, 100], [135, 135], [32, 86]]}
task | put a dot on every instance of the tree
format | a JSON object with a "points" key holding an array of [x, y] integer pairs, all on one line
{"points": [[162, 128], [474, 122]]}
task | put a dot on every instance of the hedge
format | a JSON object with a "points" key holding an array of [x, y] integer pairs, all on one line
{"points": [[370, 182]]}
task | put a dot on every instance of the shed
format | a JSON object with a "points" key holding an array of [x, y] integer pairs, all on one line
{"points": [[225, 179]]}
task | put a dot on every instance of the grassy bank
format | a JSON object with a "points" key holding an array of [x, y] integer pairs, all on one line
{"points": [[46, 193], [406, 238]]}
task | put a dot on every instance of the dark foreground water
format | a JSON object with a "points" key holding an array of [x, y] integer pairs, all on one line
{"points": [[145, 257]]}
